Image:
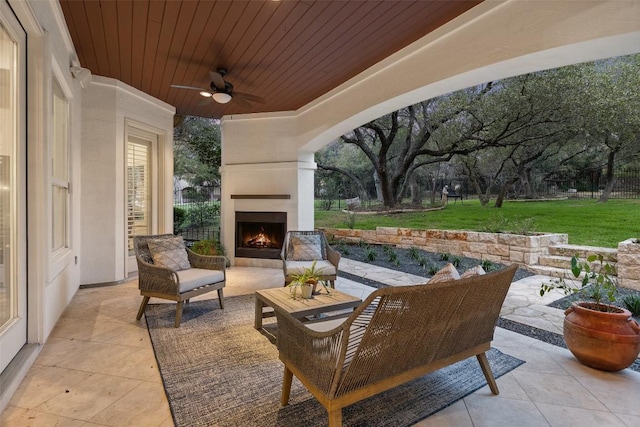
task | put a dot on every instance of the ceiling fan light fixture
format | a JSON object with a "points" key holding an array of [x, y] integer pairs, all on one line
{"points": [[206, 94], [221, 97]]}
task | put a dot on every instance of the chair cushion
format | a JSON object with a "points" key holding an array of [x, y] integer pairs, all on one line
{"points": [[475, 271], [325, 268], [325, 325], [446, 274], [169, 253], [306, 247], [195, 277]]}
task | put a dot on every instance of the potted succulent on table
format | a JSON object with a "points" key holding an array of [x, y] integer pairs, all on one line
{"points": [[600, 335], [307, 281]]}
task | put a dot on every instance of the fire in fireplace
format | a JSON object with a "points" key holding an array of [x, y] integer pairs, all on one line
{"points": [[260, 234]]}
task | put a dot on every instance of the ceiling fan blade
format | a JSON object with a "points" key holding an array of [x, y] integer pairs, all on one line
{"points": [[188, 87], [249, 97], [238, 100], [205, 101], [217, 79]]}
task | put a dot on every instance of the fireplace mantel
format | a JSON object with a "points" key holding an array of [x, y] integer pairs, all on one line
{"points": [[260, 196]]}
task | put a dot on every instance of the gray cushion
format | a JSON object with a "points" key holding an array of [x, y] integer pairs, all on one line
{"points": [[195, 277], [306, 247], [323, 267], [169, 253]]}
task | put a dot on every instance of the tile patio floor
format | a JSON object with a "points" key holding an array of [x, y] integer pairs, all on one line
{"points": [[98, 368]]}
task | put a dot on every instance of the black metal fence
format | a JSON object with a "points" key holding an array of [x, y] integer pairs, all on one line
{"points": [[196, 213], [590, 185], [581, 185]]}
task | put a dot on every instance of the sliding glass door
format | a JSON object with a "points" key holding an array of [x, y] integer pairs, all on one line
{"points": [[13, 288]]}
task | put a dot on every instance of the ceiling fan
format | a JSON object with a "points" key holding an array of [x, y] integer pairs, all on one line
{"points": [[222, 91]]}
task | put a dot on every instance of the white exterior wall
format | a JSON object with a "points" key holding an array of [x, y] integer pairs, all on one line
{"points": [[492, 41], [108, 105]]}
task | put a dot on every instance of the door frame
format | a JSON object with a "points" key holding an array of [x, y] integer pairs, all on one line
{"points": [[14, 332]]}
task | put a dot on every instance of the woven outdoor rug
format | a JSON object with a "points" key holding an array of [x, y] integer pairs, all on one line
{"points": [[218, 370]]}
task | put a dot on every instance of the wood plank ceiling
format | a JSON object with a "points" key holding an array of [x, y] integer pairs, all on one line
{"points": [[286, 52]]}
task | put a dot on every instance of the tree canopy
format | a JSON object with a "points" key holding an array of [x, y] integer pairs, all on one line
{"points": [[498, 133]]}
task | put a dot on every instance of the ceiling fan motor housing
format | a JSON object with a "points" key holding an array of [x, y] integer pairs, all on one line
{"points": [[228, 87]]}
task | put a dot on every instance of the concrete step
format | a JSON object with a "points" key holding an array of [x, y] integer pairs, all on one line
{"points": [[609, 254], [556, 261], [551, 271]]}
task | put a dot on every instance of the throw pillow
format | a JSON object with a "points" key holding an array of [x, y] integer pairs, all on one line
{"points": [[169, 253], [447, 273], [475, 271], [306, 247]]}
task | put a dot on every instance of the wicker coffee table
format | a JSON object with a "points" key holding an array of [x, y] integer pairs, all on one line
{"points": [[280, 299]]}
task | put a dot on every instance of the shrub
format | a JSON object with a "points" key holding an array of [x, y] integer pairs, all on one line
{"points": [[351, 220], [444, 257], [487, 265], [414, 253], [326, 203], [179, 216], [371, 254], [632, 303], [202, 214], [342, 247], [208, 247], [433, 270], [456, 261]]}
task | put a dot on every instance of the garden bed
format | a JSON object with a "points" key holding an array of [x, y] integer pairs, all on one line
{"points": [[414, 261]]}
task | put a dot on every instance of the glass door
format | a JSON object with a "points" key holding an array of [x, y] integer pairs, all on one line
{"points": [[141, 189], [13, 288]]}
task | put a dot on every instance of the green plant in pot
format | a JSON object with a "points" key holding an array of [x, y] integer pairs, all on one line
{"points": [[307, 281], [600, 335]]}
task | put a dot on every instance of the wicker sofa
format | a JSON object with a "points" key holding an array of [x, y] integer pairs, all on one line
{"points": [[397, 334]]}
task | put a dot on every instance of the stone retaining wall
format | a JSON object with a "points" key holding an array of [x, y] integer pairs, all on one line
{"points": [[495, 247], [629, 264]]}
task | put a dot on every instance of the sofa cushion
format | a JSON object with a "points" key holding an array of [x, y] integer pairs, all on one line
{"points": [[446, 274], [306, 247], [169, 253], [475, 271], [325, 268], [195, 277]]}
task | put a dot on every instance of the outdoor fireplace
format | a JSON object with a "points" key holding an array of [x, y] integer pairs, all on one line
{"points": [[260, 234]]}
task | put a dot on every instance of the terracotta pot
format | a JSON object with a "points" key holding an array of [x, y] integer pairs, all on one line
{"points": [[609, 341]]}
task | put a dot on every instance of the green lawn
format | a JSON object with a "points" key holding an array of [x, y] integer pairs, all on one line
{"points": [[585, 221]]}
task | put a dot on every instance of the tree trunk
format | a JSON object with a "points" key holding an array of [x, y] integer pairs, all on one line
{"points": [[416, 192], [530, 191], [503, 191], [484, 199], [604, 197]]}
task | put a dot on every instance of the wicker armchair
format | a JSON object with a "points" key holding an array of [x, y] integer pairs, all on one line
{"points": [[396, 335], [327, 259], [207, 273]]}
